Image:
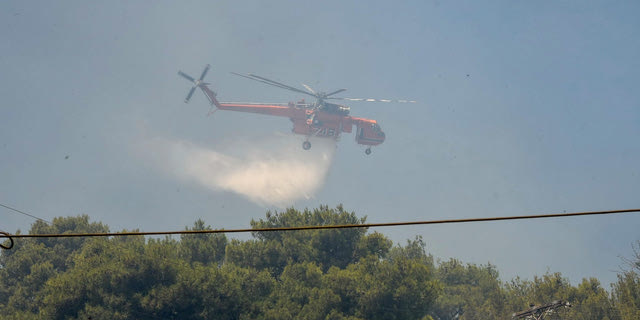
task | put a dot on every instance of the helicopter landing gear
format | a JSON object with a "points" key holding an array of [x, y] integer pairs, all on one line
{"points": [[367, 151], [306, 145]]}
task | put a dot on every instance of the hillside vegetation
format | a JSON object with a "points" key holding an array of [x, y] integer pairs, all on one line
{"points": [[312, 274]]}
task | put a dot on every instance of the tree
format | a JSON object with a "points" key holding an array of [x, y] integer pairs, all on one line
{"points": [[210, 292], [544, 290], [590, 301], [626, 295], [401, 286], [626, 291], [326, 248], [111, 275], [311, 274], [203, 248], [26, 268], [301, 295], [470, 292]]}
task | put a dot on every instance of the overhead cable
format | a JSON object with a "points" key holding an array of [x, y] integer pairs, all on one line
{"points": [[316, 227], [24, 213]]}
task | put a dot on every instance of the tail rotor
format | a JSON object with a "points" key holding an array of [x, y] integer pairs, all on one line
{"points": [[204, 72], [196, 83]]}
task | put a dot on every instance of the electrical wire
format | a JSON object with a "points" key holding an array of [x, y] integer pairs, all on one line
{"points": [[26, 214], [320, 227]]}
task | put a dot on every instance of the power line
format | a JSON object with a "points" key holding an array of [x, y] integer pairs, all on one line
{"points": [[26, 214], [342, 226]]}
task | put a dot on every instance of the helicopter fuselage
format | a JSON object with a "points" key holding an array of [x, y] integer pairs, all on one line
{"points": [[328, 121]]}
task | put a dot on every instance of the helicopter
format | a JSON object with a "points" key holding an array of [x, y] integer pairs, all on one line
{"points": [[311, 119]]}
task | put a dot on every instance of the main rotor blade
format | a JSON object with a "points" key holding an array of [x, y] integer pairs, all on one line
{"points": [[186, 76], [265, 82], [190, 94], [254, 79], [337, 91], [281, 85], [204, 72], [309, 88], [375, 100]]}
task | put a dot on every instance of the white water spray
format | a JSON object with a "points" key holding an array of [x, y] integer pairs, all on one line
{"points": [[275, 171]]}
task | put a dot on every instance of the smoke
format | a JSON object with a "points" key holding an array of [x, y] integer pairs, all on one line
{"points": [[274, 171]]}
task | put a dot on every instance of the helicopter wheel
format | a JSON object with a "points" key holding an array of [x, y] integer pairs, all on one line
{"points": [[367, 151], [306, 145]]}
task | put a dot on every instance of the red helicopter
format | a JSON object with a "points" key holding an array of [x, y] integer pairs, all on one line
{"points": [[317, 119]]}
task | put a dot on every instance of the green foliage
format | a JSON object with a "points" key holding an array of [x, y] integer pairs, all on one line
{"points": [[25, 269], [626, 292], [590, 301], [262, 255], [301, 295], [402, 288], [209, 292], [113, 274], [273, 251], [205, 248], [375, 244], [331, 247], [542, 290], [470, 292], [626, 295], [332, 274]]}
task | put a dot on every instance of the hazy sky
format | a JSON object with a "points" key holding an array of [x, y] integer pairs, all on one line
{"points": [[525, 107]]}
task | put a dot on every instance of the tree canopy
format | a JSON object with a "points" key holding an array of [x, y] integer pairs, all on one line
{"points": [[311, 274]]}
